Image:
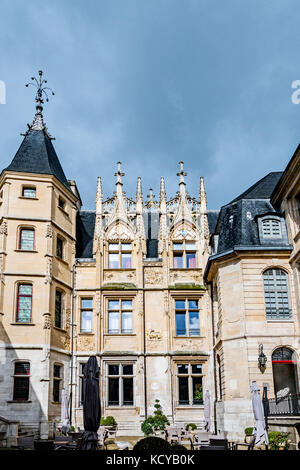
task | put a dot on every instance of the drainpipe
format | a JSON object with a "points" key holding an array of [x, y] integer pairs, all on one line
{"points": [[214, 355], [144, 335], [72, 338]]}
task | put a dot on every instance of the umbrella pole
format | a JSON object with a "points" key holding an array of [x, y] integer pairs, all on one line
{"points": [[266, 408]]}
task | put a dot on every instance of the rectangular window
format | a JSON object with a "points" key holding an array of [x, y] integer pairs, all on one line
{"points": [[120, 316], [24, 303], [190, 390], [61, 203], [26, 239], [59, 247], [56, 382], [29, 192], [187, 317], [81, 367], [184, 255], [119, 255], [86, 315], [21, 381], [58, 309], [120, 384]]}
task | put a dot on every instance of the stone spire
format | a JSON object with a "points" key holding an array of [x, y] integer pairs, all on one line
{"points": [[38, 122], [139, 196], [202, 196], [119, 175], [99, 197], [163, 230], [162, 193], [181, 175]]}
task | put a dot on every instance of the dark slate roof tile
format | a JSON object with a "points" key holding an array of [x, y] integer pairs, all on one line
{"points": [[262, 189], [85, 227]]}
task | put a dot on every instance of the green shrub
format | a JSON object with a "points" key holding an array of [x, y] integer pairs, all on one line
{"points": [[152, 445], [191, 425], [108, 421], [278, 439], [156, 422], [248, 431]]}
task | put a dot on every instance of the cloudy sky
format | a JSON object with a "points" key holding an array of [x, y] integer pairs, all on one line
{"points": [[152, 82]]}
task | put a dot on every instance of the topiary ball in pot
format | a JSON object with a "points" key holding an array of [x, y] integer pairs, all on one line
{"points": [[152, 445]]}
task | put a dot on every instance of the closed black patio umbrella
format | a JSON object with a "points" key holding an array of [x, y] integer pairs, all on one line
{"points": [[91, 405]]}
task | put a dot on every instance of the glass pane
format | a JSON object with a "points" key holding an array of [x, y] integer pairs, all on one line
{"points": [[86, 321], [190, 245], [178, 260], [197, 390], [21, 388], [113, 369], [182, 368], [177, 246], [183, 390], [56, 384], [29, 192], [126, 322], [113, 260], [180, 304], [196, 368], [180, 324], [113, 305], [25, 289], [194, 325], [126, 246], [128, 392], [126, 304], [114, 247], [59, 248], [22, 368], [24, 304], [193, 304], [56, 371], [191, 260], [113, 392], [87, 303], [113, 322], [127, 369], [126, 260], [58, 309], [27, 239]]}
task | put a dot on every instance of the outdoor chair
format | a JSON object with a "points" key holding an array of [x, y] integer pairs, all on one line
{"points": [[244, 445], [70, 446], [173, 434], [218, 442], [199, 439], [102, 437]]}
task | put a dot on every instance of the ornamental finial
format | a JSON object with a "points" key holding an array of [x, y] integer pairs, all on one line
{"points": [[181, 173], [119, 174]]}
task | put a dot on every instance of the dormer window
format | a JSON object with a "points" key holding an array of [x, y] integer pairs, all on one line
{"points": [[184, 254], [119, 255], [29, 192], [271, 228]]}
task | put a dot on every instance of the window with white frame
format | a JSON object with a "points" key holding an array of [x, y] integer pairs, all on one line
{"points": [[271, 228], [119, 255], [187, 317], [120, 384], [120, 316], [189, 378], [86, 315], [276, 293], [184, 254]]}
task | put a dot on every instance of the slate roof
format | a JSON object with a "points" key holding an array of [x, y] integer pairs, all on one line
{"points": [[237, 224], [212, 217], [85, 226], [151, 223], [36, 154]]}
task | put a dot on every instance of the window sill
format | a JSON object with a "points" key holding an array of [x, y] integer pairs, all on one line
{"points": [[56, 402], [86, 333], [62, 330], [280, 320], [188, 337], [30, 198], [62, 260], [19, 401], [64, 211], [22, 323], [26, 251], [113, 407], [185, 269], [119, 269], [189, 406], [119, 334]]}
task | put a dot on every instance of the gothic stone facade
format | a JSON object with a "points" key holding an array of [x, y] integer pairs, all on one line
{"points": [[169, 296]]}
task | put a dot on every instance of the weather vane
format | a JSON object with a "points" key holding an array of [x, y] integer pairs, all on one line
{"points": [[41, 90], [38, 122]]}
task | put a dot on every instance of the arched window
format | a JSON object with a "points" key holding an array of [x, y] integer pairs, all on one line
{"points": [[276, 293], [271, 228], [284, 367]]}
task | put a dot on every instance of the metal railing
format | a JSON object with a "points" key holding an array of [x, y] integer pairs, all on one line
{"points": [[286, 406]]}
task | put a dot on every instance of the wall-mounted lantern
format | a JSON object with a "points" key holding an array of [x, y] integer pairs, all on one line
{"points": [[262, 358]]}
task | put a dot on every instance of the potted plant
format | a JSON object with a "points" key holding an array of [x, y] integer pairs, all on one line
{"points": [[190, 427], [110, 424], [278, 440], [248, 435], [156, 423]]}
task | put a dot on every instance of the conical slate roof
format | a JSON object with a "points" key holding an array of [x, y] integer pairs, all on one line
{"points": [[36, 154], [262, 189]]}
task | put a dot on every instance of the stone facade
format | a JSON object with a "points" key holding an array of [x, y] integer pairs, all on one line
{"points": [[140, 284]]}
